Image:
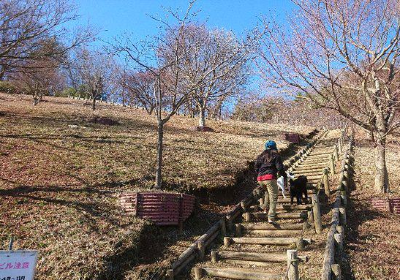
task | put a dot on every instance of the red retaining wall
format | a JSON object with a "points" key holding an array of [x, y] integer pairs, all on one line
{"points": [[161, 208], [387, 204]]}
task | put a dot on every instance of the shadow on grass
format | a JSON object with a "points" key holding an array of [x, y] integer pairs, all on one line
{"points": [[90, 208], [149, 252]]}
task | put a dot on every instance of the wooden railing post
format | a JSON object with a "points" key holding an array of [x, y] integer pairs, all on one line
{"points": [[201, 249], [332, 164], [342, 216], [293, 265], [339, 246], [336, 271], [198, 273], [238, 230], [317, 213], [326, 182], [214, 256], [336, 153], [247, 217], [170, 274]]}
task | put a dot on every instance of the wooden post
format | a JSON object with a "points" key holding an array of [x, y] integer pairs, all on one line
{"points": [[336, 271], [170, 274], [201, 249], [300, 244], [310, 218], [214, 256], [332, 165], [227, 241], [238, 230], [243, 205], [343, 197], [247, 217], [317, 213], [326, 182], [293, 265], [340, 229], [336, 153], [339, 246], [342, 216], [198, 273]]}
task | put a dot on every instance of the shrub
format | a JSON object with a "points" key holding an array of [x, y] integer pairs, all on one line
{"points": [[8, 87]]}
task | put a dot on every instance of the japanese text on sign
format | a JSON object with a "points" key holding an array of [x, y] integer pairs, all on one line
{"points": [[17, 265]]}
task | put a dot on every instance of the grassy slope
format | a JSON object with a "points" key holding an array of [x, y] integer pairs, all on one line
{"points": [[373, 237], [58, 183]]}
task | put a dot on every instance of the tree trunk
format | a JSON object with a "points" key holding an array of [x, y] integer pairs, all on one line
{"points": [[202, 117], [94, 104], [381, 174], [159, 154], [371, 135], [35, 98]]}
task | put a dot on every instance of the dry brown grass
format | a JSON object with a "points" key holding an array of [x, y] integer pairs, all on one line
{"points": [[372, 239], [60, 173]]}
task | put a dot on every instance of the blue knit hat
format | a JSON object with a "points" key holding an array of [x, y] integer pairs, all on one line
{"points": [[270, 145]]}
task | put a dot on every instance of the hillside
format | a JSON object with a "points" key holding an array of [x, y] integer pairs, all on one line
{"points": [[61, 171]]}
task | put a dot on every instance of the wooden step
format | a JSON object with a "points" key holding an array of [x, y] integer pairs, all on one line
{"points": [[217, 255], [281, 209], [299, 242], [314, 177], [305, 168], [309, 191], [297, 173], [235, 273], [258, 264], [321, 153], [293, 207], [265, 226], [282, 200], [287, 200], [280, 216], [315, 162], [269, 232]]}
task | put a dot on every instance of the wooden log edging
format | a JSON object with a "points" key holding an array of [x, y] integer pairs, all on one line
{"points": [[196, 249], [334, 245]]}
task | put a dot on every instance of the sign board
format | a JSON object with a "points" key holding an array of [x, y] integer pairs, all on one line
{"points": [[18, 265]]}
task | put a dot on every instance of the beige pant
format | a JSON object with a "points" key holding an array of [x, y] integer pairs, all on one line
{"points": [[271, 196]]}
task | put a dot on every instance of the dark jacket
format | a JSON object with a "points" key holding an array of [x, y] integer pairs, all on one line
{"points": [[268, 169]]}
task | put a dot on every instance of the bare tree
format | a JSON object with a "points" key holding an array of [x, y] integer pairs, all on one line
{"points": [[214, 65], [342, 55], [91, 70], [139, 89], [162, 59], [26, 23], [40, 75]]}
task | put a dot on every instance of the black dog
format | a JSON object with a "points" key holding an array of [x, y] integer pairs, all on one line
{"points": [[298, 187]]}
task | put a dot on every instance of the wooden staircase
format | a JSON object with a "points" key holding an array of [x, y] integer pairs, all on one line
{"points": [[255, 249]]}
